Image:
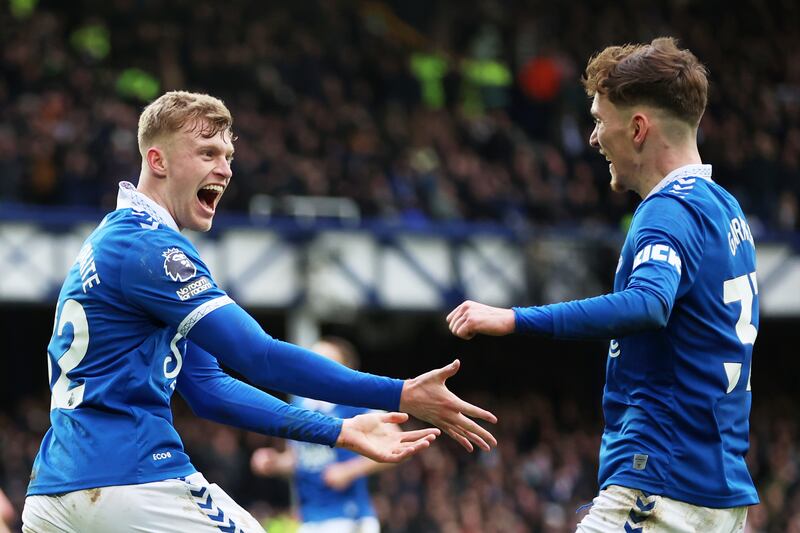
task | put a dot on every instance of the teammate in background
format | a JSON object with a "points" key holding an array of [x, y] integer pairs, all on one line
{"points": [[683, 316], [139, 316], [329, 485]]}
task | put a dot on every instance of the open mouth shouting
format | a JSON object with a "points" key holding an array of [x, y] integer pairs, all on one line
{"points": [[209, 196], [610, 163]]}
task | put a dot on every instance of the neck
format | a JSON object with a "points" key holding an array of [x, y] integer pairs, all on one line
{"points": [[668, 159], [147, 186]]}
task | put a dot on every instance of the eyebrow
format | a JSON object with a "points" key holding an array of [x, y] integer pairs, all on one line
{"points": [[214, 148]]}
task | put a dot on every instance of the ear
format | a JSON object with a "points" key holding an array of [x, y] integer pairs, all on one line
{"points": [[640, 125], [157, 161]]}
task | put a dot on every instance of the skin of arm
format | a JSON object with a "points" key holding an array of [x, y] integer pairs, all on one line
{"points": [[471, 318], [339, 476]]}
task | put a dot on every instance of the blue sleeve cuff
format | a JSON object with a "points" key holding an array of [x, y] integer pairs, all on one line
{"points": [[533, 320]]}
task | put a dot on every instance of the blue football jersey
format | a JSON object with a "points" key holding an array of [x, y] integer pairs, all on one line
{"points": [[677, 399], [317, 501], [134, 292]]}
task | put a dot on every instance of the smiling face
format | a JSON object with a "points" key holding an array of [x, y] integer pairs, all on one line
{"points": [[613, 136], [197, 172]]}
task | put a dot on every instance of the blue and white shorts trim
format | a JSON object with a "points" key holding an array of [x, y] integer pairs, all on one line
{"points": [[635, 511], [183, 504], [220, 509]]}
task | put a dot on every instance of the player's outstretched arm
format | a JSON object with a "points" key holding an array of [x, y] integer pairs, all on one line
{"points": [[213, 394], [428, 398], [238, 340], [471, 318], [375, 436]]}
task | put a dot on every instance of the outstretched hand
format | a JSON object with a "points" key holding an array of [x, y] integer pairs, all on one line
{"points": [[374, 435], [428, 398], [471, 318]]}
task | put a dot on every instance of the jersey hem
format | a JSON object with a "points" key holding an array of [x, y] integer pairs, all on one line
{"points": [[734, 500], [50, 490]]}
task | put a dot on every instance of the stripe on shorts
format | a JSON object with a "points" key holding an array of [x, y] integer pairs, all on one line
{"points": [[203, 499]]}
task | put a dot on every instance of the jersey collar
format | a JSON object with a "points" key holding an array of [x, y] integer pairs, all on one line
{"points": [[686, 171], [129, 197]]}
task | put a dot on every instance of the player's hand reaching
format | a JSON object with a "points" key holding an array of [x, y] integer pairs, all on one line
{"points": [[427, 397], [471, 318], [374, 436]]}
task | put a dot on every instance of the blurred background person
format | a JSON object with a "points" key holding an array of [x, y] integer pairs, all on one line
{"points": [[329, 484]]}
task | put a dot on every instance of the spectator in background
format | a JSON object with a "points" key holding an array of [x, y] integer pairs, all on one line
{"points": [[333, 108]]}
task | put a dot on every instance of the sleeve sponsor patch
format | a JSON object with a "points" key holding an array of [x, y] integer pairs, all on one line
{"points": [[657, 252], [193, 288], [177, 266]]}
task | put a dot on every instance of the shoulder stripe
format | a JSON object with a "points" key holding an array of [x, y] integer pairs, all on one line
{"points": [[682, 188], [200, 311]]}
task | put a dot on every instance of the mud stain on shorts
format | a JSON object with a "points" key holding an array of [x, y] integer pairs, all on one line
{"points": [[94, 495]]}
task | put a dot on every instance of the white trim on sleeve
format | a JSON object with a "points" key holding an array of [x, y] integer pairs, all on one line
{"points": [[200, 311]]}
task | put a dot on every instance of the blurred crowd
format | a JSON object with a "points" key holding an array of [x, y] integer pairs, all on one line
{"points": [[417, 111], [542, 472]]}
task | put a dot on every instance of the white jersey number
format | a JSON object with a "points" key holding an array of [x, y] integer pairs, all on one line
{"points": [[64, 397], [740, 290]]}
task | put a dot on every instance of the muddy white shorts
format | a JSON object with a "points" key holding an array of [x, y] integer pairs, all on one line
{"points": [[184, 505], [633, 511], [368, 524]]}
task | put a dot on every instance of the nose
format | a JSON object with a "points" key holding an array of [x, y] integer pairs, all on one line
{"points": [[224, 169], [593, 138]]}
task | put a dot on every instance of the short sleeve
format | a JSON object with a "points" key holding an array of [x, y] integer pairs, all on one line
{"points": [[163, 275]]}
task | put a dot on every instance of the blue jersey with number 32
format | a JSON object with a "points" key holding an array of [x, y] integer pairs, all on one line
{"points": [[135, 290], [677, 399]]}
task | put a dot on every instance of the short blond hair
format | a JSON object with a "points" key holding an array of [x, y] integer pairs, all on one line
{"points": [[173, 111]]}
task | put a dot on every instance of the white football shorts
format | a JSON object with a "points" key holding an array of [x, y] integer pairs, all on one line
{"points": [[633, 511], [189, 504]]}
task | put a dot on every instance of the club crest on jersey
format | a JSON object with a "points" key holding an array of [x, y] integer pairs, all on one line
{"points": [[177, 266]]}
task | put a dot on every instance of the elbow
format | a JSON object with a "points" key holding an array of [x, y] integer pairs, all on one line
{"points": [[657, 312], [659, 320]]}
